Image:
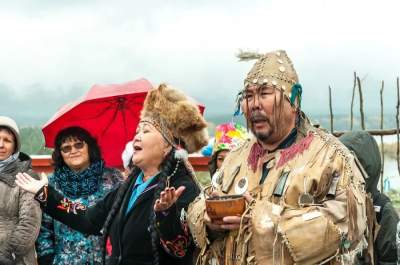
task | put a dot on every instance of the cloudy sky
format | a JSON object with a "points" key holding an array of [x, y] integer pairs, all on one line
{"points": [[51, 52]]}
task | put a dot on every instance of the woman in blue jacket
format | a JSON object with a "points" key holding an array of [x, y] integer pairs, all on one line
{"points": [[79, 176]]}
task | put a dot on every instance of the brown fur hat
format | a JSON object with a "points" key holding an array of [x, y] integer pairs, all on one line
{"points": [[176, 117]]}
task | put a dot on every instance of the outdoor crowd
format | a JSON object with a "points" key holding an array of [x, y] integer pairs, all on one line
{"points": [[309, 197]]}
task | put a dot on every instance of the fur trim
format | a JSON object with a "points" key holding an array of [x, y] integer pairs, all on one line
{"points": [[170, 108], [181, 154]]}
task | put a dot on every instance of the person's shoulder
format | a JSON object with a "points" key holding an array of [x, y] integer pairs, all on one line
{"points": [[187, 181], [340, 157], [51, 178], [192, 189], [31, 172], [183, 180], [24, 164], [112, 175], [243, 145], [237, 152], [386, 205], [329, 141]]}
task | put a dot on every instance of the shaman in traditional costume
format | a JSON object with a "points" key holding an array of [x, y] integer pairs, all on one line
{"points": [[309, 203]]}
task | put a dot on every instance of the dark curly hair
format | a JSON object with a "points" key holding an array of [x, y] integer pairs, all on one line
{"points": [[77, 133]]}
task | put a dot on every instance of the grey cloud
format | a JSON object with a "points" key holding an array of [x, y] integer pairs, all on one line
{"points": [[191, 45]]}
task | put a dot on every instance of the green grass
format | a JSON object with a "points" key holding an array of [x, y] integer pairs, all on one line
{"points": [[394, 196], [203, 177]]}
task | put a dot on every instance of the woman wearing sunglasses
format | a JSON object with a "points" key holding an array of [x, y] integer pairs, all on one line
{"points": [[143, 222], [19, 212], [81, 177]]}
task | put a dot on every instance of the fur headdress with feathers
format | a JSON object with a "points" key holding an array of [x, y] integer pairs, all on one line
{"points": [[176, 117]]}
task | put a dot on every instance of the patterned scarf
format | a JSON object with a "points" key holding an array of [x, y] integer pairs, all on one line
{"points": [[78, 184], [11, 159]]}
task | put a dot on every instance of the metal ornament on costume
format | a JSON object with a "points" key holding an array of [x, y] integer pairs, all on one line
{"points": [[241, 186]]}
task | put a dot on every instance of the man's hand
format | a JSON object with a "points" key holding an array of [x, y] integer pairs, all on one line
{"points": [[229, 222]]}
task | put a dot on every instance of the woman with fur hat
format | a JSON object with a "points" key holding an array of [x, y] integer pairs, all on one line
{"points": [[20, 214], [143, 221]]}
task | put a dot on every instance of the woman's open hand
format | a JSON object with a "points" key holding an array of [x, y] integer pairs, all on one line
{"points": [[26, 182], [167, 198]]}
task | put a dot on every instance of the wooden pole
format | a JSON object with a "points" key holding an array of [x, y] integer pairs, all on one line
{"points": [[330, 107], [382, 145], [361, 104], [352, 101], [376, 132], [397, 123]]}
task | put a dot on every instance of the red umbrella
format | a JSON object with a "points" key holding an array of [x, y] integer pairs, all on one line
{"points": [[109, 112]]}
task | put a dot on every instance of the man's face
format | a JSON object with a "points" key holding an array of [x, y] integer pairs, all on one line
{"points": [[259, 105]]}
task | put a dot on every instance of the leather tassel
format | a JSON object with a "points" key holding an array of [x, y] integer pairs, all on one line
{"points": [[324, 184], [352, 214]]}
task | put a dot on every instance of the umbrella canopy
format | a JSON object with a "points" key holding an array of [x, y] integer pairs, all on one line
{"points": [[110, 113]]}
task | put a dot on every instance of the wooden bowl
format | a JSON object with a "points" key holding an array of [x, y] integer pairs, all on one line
{"points": [[221, 206]]}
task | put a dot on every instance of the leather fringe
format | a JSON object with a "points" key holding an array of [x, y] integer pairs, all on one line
{"points": [[352, 214]]}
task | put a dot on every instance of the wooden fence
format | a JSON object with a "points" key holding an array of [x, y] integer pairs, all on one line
{"points": [[376, 132], [44, 163]]}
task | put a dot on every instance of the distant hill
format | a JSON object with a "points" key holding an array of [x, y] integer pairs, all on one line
{"points": [[32, 141]]}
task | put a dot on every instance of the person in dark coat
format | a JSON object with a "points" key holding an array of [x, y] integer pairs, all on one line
{"points": [[143, 222], [19, 213], [366, 149]]}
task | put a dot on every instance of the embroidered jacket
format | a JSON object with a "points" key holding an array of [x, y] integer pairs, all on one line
{"points": [[62, 245], [309, 208]]}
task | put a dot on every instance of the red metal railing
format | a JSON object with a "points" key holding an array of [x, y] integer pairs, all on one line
{"points": [[44, 163]]}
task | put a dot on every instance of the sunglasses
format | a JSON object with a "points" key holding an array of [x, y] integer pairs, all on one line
{"points": [[68, 148]]}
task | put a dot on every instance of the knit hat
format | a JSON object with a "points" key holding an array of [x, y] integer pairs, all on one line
{"points": [[12, 125], [176, 117], [274, 69], [229, 136]]}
